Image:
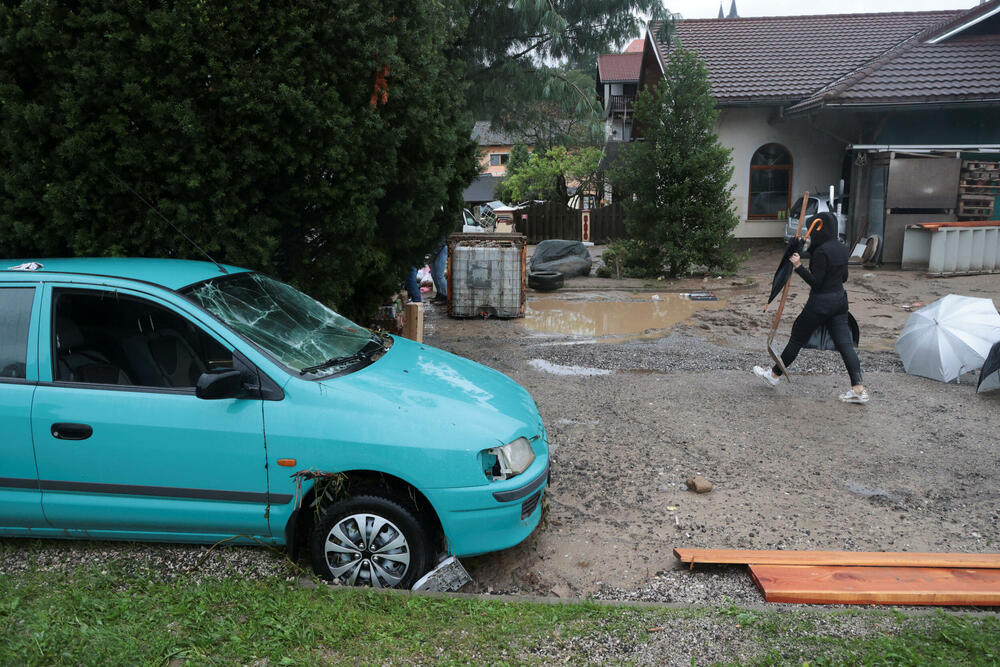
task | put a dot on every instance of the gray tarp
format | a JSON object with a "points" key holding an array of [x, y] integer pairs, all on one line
{"points": [[570, 258]]}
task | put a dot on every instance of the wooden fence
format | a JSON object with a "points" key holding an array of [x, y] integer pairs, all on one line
{"points": [[551, 220], [607, 223], [548, 220]]}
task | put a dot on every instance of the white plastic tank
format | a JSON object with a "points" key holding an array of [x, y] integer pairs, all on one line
{"points": [[486, 275]]}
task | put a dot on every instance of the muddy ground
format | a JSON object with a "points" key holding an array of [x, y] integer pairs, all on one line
{"points": [[792, 467]]}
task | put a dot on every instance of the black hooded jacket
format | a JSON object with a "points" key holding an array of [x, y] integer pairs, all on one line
{"points": [[827, 270]]}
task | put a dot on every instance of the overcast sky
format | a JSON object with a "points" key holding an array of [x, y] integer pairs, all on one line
{"points": [[709, 9]]}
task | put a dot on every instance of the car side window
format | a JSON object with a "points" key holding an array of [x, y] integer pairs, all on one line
{"points": [[107, 338], [15, 317]]}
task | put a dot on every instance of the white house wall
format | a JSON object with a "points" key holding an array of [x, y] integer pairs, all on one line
{"points": [[816, 159]]}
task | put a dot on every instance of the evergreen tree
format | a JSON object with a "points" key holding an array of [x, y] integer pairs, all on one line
{"points": [[675, 183], [326, 144]]}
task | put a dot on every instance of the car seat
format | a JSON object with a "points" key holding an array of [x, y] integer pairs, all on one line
{"points": [[76, 362], [163, 358]]}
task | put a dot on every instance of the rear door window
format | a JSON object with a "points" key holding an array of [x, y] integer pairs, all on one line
{"points": [[15, 317]]}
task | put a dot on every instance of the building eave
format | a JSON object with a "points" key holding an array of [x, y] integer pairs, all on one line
{"points": [[965, 25]]}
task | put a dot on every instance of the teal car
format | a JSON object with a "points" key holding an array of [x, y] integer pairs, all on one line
{"points": [[183, 401]]}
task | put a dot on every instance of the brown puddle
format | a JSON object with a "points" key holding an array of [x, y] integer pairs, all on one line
{"points": [[630, 315]]}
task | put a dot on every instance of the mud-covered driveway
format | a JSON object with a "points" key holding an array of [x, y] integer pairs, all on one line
{"points": [[631, 417]]}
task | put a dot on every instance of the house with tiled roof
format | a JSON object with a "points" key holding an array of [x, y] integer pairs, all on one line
{"points": [[808, 101], [495, 146], [618, 75]]}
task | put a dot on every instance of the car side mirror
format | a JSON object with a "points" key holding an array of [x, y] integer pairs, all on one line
{"points": [[220, 384]]}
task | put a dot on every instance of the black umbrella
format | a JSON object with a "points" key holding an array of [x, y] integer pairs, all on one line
{"points": [[989, 376], [785, 268]]}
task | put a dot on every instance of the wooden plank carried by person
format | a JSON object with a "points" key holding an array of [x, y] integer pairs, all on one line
{"points": [[856, 558], [810, 584], [771, 349]]}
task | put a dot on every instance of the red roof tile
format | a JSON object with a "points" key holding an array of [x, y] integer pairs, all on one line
{"points": [[787, 58], [635, 46], [620, 67]]}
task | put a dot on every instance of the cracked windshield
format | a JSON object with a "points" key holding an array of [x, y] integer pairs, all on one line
{"points": [[295, 329]]}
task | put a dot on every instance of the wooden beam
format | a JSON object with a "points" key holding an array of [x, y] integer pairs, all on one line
{"points": [[413, 324], [859, 558], [878, 585]]}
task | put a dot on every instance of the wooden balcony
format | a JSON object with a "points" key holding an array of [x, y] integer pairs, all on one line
{"points": [[619, 104]]}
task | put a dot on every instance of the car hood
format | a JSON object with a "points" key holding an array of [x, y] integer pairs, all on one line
{"points": [[437, 390]]}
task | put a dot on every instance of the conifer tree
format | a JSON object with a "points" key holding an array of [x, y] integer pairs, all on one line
{"points": [[324, 143], [675, 182]]}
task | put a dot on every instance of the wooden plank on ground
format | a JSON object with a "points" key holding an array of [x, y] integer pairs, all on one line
{"points": [[859, 558], [878, 585]]}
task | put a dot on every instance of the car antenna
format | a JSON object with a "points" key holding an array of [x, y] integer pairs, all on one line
{"points": [[164, 218]]}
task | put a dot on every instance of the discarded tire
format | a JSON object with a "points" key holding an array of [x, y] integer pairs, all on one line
{"points": [[545, 281], [870, 253]]}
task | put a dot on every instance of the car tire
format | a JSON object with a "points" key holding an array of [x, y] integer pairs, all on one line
{"points": [[545, 281], [338, 551]]}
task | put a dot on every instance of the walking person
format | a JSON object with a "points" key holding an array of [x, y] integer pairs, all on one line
{"points": [[412, 286], [827, 306]]}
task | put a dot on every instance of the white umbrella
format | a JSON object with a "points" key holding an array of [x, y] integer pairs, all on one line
{"points": [[949, 337]]}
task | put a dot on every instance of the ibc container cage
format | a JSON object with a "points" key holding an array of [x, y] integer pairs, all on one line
{"points": [[486, 275]]}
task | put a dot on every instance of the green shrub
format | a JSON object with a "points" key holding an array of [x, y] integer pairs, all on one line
{"points": [[629, 258], [324, 143]]}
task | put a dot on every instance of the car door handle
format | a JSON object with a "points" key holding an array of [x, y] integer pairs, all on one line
{"points": [[71, 431]]}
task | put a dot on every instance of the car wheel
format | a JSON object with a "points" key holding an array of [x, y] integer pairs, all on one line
{"points": [[545, 281], [369, 540]]}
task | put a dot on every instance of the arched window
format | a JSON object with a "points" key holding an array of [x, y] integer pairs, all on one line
{"points": [[770, 183]]}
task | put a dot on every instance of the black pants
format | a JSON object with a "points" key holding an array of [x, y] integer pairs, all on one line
{"points": [[829, 309]]}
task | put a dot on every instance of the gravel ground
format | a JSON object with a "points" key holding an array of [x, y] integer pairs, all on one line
{"points": [[793, 468], [164, 562], [712, 638]]}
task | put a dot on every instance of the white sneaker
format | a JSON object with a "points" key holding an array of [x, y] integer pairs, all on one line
{"points": [[851, 396], [765, 375]]}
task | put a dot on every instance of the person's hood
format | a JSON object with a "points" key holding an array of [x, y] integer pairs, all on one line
{"points": [[825, 230]]}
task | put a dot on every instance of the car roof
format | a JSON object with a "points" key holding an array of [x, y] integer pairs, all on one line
{"points": [[170, 273]]}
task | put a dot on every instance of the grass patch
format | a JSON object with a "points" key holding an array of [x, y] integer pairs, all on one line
{"points": [[98, 617], [102, 616]]}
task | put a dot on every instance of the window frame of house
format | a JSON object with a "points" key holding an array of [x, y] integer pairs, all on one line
{"points": [[502, 159], [769, 167]]}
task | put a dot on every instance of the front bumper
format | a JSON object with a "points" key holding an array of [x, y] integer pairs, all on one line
{"points": [[494, 516]]}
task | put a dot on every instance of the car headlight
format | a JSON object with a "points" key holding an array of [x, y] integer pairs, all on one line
{"points": [[509, 460]]}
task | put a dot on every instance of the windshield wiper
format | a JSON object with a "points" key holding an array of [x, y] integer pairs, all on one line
{"points": [[361, 355]]}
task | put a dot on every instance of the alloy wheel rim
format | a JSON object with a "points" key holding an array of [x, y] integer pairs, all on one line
{"points": [[367, 550]]}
